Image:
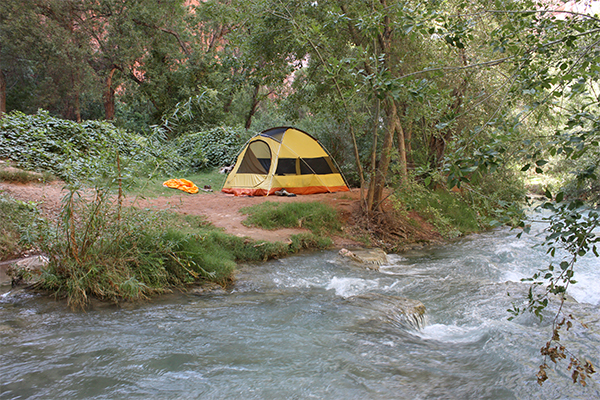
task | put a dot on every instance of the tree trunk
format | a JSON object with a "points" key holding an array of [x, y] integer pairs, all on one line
{"points": [[386, 155], [253, 107], [109, 97], [77, 107], [2, 94], [401, 150], [393, 125], [371, 191], [410, 163]]}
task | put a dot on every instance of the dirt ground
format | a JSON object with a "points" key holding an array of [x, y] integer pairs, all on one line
{"points": [[220, 209]]}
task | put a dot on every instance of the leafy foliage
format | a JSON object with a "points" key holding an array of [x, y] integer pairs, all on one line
{"points": [[211, 148], [448, 211], [64, 148]]}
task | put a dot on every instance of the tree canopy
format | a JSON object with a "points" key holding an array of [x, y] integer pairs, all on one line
{"points": [[400, 91]]}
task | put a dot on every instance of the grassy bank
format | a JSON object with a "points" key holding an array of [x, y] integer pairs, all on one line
{"points": [[20, 228], [99, 249]]}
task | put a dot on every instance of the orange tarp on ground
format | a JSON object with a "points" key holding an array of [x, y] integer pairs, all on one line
{"points": [[181, 184]]}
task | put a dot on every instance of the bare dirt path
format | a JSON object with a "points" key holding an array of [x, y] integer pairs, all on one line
{"points": [[220, 209]]}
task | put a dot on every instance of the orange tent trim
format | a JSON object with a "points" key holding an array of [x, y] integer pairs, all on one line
{"points": [[295, 190]]}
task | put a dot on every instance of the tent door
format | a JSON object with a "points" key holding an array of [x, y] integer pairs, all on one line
{"points": [[256, 161]]}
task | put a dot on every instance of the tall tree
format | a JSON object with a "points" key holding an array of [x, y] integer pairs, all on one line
{"points": [[381, 51]]}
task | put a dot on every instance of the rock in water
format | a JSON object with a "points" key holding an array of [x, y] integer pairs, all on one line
{"points": [[27, 270], [371, 258], [406, 312]]}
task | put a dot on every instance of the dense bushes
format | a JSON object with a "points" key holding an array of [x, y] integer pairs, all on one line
{"points": [[88, 150], [64, 148], [211, 148]]}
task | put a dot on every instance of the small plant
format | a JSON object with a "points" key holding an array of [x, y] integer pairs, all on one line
{"points": [[21, 227]]}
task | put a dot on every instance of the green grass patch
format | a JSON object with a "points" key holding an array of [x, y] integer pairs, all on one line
{"points": [[20, 176], [456, 210], [319, 218], [450, 213], [152, 188]]}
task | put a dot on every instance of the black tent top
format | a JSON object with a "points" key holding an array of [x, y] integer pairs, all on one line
{"points": [[277, 133]]}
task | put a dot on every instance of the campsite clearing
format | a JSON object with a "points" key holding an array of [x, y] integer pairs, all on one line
{"points": [[221, 209]]}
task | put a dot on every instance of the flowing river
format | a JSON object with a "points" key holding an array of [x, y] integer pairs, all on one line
{"points": [[293, 329]]}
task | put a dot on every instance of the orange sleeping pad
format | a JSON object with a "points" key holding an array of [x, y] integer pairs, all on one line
{"points": [[181, 184]]}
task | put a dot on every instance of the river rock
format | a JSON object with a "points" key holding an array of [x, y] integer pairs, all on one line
{"points": [[406, 312], [208, 288], [371, 258], [27, 270]]}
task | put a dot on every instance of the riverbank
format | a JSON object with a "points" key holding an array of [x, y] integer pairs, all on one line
{"points": [[203, 235], [223, 211]]}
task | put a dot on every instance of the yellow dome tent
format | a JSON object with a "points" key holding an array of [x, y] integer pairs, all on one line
{"points": [[284, 158]]}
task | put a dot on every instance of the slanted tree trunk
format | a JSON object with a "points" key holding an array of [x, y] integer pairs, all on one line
{"points": [[438, 143], [109, 97], [375, 196], [253, 106], [371, 191], [377, 185], [2, 94], [406, 141]]}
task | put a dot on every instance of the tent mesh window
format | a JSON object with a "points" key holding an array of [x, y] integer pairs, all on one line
{"points": [[319, 166], [286, 166], [257, 159]]}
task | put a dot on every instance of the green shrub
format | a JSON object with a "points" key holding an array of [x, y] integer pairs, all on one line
{"points": [[448, 211], [211, 148], [99, 249], [20, 228]]}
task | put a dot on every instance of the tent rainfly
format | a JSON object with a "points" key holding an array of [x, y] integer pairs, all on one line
{"points": [[284, 158]]}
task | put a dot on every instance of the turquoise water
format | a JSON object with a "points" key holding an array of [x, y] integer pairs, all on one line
{"points": [[290, 329]]}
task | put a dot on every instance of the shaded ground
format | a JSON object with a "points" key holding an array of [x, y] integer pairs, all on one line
{"points": [[220, 209], [390, 230]]}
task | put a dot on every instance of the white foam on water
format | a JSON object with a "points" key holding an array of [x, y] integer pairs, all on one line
{"points": [[451, 333], [294, 282], [395, 258], [400, 270], [513, 276], [587, 288], [392, 270], [347, 287]]}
